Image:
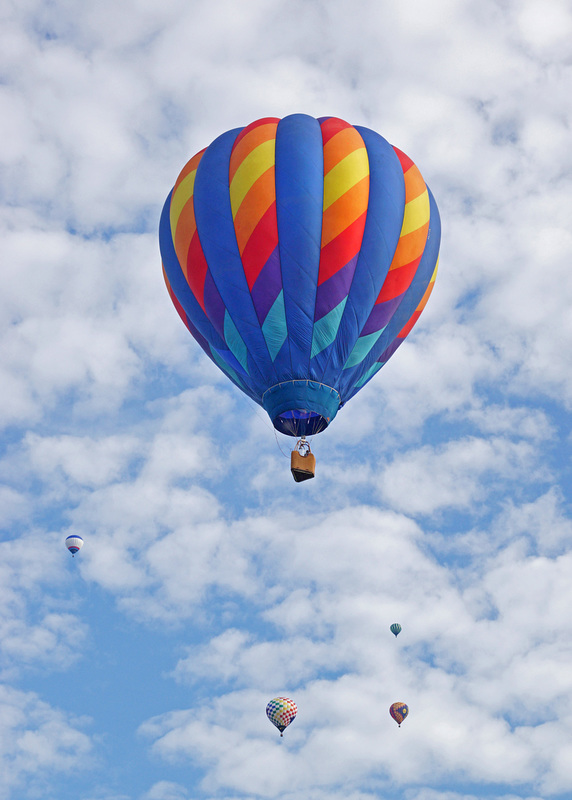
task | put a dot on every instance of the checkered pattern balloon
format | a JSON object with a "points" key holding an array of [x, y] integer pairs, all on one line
{"points": [[281, 712], [398, 711]]}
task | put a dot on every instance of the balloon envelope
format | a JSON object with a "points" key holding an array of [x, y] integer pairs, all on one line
{"points": [[281, 711], [398, 711], [299, 253], [395, 628], [74, 543]]}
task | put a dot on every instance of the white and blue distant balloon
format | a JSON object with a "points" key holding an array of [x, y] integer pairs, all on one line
{"points": [[74, 543]]}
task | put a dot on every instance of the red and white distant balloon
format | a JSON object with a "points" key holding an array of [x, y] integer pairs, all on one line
{"points": [[74, 543]]}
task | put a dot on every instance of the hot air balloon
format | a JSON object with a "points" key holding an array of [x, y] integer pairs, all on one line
{"points": [[74, 543], [398, 711], [395, 628], [299, 253], [281, 712]]}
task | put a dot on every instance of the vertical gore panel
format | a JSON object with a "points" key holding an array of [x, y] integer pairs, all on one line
{"points": [[299, 200]]}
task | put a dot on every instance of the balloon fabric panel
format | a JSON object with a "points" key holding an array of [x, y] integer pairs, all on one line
{"points": [[299, 253], [299, 201]]}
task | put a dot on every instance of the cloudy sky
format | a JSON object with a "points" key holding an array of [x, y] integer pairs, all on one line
{"points": [[209, 581]]}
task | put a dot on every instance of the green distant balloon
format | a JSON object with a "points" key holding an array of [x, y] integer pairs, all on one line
{"points": [[395, 628]]}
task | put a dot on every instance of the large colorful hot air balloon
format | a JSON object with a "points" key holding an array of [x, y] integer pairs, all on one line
{"points": [[299, 253], [398, 711], [395, 629], [281, 712], [74, 543]]}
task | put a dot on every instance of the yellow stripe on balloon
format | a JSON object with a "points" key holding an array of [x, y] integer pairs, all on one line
{"points": [[254, 165], [181, 197], [247, 140], [344, 175], [416, 213], [184, 188]]}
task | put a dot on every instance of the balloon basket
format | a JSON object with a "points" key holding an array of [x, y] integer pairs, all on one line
{"points": [[302, 462]]}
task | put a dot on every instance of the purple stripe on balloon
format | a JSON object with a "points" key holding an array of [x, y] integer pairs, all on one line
{"points": [[331, 293], [267, 286], [380, 315], [389, 351], [198, 336], [214, 306]]}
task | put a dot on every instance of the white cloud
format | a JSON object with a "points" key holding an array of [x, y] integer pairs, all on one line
{"points": [[37, 742], [456, 475]]}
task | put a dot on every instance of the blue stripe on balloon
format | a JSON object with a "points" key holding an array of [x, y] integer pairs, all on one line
{"points": [[381, 234], [361, 348], [299, 202], [234, 341], [221, 359], [216, 233], [274, 327], [368, 375], [354, 379], [326, 328]]}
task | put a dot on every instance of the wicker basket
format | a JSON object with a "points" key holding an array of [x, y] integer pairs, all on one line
{"points": [[303, 466]]}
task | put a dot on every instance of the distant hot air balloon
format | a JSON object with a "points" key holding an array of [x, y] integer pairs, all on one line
{"points": [[281, 712], [74, 543], [395, 628], [299, 253], [398, 711]]}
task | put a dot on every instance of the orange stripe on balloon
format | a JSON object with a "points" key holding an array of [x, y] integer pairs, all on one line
{"points": [[414, 184], [254, 206], [345, 210], [410, 247], [185, 230]]}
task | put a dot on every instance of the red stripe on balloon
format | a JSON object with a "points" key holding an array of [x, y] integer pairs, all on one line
{"points": [[196, 270], [340, 251], [260, 246], [398, 281]]}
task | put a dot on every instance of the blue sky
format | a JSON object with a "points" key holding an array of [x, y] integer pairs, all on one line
{"points": [[209, 581]]}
